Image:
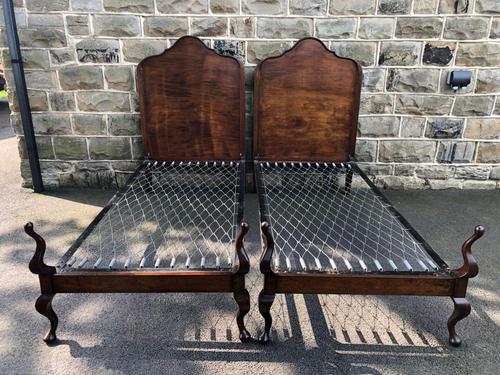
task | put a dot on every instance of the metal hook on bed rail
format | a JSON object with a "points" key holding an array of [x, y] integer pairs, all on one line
{"points": [[470, 268], [37, 265]]}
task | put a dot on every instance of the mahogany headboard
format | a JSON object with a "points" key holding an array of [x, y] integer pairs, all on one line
{"points": [[192, 103], [306, 105]]}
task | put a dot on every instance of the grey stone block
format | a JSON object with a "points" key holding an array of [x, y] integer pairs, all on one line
{"points": [[376, 28], [445, 184], [362, 52], [209, 26], [137, 148], [487, 6], [373, 80], [488, 81], [425, 6], [102, 101], [92, 166], [38, 101], [182, 6], [39, 79], [258, 51], [34, 59], [412, 127], [378, 126], [116, 25], [478, 54], [456, 152], [47, 6], [495, 28], [42, 38], [376, 103], [473, 105], [78, 25], [495, 173], [394, 6], [419, 27], [70, 148], [352, 7], [341, 28], [473, 172], [483, 128], [372, 169], [242, 27], [443, 127], [62, 56], [407, 170], [81, 78], [43, 145], [105, 148], [400, 183], [407, 151], [135, 50], [45, 20], [51, 124], [454, 7], [165, 26], [62, 101], [89, 124], [423, 104], [399, 53], [263, 6], [129, 6], [125, 165], [277, 28], [466, 28], [438, 53], [308, 7], [119, 77], [124, 124], [100, 179], [479, 185], [98, 51], [366, 151], [224, 6], [435, 171], [445, 88], [488, 153], [232, 48], [86, 5], [413, 80]]}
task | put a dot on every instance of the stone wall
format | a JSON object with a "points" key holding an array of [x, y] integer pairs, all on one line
{"points": [[414, 131]]}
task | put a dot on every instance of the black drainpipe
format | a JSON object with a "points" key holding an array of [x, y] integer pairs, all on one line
{"points": [[22, 94]]}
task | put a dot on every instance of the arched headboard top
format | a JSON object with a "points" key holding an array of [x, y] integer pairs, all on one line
{"points": [[306, 105], [192, 103]]}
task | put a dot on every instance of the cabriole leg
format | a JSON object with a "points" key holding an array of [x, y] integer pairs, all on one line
{"points": [[461, 311], [242, 298], [44, 306], [265, 303]]}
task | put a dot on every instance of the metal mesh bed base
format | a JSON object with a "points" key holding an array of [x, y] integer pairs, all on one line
{"points": [[328, 217], [175, 215]]}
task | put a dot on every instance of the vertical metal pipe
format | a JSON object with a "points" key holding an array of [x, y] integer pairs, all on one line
{"points": [[22, 94]]}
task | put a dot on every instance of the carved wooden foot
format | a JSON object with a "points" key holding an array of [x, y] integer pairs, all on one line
{"points": [[461, 311], [265, 303], [242, 298], [44, 306]]}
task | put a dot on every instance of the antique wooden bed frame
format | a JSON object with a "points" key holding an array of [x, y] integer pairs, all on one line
{"points": [[192, 113], [306, 104]]}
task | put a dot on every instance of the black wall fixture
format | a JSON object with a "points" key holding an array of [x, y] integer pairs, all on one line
{"points": [[22, 94]]}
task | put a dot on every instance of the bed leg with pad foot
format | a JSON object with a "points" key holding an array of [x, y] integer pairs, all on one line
{"points": [[44, 306], [461, 311], [242, 298], [265, 303], [37, 266], [469, 270]]}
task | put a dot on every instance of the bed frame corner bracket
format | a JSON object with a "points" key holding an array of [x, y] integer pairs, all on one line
{"points": [[470, 268], [37, 265]]}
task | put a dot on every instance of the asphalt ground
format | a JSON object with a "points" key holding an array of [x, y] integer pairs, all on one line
{"points": [[196, 333]]}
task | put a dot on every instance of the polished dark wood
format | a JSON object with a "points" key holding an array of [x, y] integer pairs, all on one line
{"points": [[37, 266], [44, 306], [306, 105], [461, 310], [470, 268], [192, 103]]}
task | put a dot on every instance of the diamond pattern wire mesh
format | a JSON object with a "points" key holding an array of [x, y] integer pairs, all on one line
{"points": [[320, 225], [174, 215]]}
